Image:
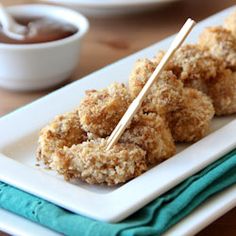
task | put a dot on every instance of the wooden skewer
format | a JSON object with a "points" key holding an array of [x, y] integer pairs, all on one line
{"points": [[137, 102]]}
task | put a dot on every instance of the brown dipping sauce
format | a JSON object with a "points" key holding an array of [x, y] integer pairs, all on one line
{"points": [[40, 30]]}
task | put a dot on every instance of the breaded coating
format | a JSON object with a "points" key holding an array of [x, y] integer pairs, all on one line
{"points": [[199, 84], [164, 96], [198, 69], [192, 62], [221, 44], [158, 57], [150, 132], [141, 72], [230, 23], [100, 111], [91, 163], [64, 130], [192, 122], [193, 65], [222, 91]]}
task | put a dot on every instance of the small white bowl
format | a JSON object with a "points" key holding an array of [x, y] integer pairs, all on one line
{"points": [[41, 65]]}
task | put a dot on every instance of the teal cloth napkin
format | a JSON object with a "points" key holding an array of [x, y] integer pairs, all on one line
{"points": [[153, 219]]}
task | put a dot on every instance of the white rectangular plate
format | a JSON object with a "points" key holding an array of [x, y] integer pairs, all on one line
{"points": [[18, 141]]}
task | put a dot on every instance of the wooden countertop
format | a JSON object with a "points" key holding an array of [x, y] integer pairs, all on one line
{"points": [[110, 40]]}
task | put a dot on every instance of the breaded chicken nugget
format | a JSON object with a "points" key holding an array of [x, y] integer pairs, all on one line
{"points": [[192, 122], [150, 132], [221, 44], [193, 65], [198, 69], [64, 130], [192, 62], [222, 91], [91, 162], [100, 111], [230, 23], [164, 96]]}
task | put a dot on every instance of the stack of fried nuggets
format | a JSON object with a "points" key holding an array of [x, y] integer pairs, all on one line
{"points": [[199, 82]]}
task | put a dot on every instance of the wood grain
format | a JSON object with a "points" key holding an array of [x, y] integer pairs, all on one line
{"points": [[110, 40]]}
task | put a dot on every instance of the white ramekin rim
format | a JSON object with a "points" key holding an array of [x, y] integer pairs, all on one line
{"points": [[81, 23]]}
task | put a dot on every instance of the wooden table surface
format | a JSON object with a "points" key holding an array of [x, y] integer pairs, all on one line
{"points": [[110, 40]]}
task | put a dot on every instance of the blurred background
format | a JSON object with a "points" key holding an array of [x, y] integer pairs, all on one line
{"points": [[113, 36]]}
